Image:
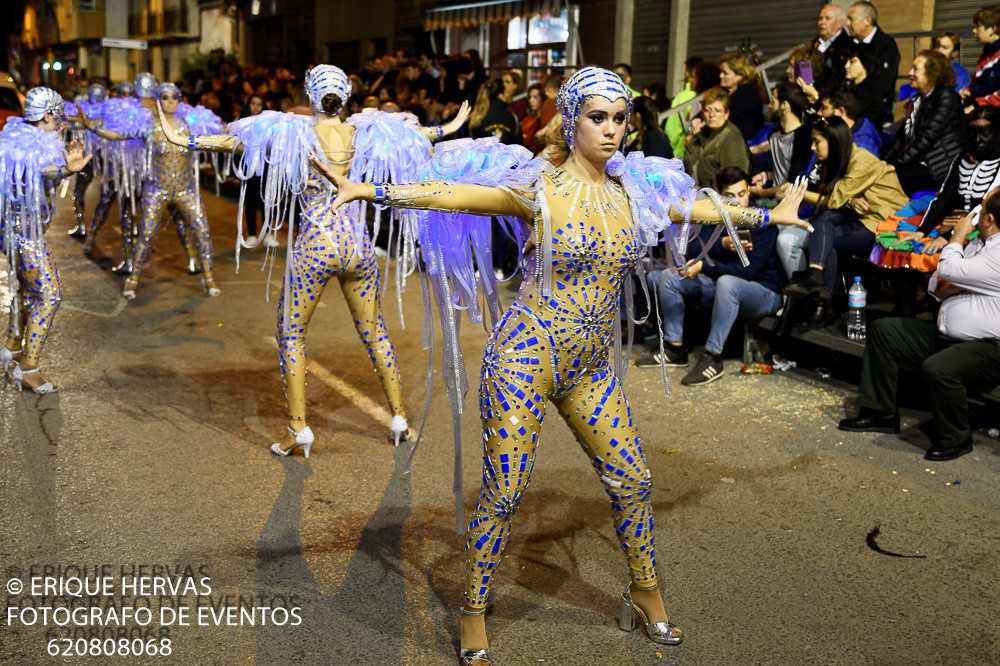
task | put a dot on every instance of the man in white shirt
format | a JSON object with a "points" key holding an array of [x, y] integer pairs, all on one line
{"points": [[961, 351]]}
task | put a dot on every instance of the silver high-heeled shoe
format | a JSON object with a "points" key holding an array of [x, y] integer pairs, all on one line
{"points": [[303, 438], [6, 358], [18, 375], [468, 657], [666, 633], [399, 430]]}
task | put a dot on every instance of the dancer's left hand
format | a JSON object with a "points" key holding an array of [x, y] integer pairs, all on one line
{"points": [[347, 190], [75, 159]]}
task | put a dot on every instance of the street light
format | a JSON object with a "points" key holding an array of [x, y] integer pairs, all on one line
{"points": [[45, 66], [57, 65]]}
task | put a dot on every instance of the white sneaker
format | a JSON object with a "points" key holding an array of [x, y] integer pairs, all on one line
{"points": [[250, 240], [270, 241]]}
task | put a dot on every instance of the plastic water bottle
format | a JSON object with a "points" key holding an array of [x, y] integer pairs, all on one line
{"points": [[857, 301]]}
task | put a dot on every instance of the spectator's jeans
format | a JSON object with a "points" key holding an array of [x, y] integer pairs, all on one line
{"points": [[949, 368], [837, 230], [671, 292], [792, 243], [736, 297]]}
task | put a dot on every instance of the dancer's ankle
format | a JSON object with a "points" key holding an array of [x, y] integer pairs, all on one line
{"points": [[473, 629], [650, 602]]}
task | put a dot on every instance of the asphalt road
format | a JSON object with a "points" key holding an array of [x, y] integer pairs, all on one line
{"points": [[153, 461]]}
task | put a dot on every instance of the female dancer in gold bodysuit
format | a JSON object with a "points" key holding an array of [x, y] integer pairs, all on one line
{"points": [[328, 244], [31, 159], [171, 182], [553, 343]]}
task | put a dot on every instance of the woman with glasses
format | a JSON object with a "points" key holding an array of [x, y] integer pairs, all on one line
{"points": [[172, 180], [715, 142]]}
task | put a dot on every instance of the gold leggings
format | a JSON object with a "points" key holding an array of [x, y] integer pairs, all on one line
{"points": [[188, 211], [320, 254], [517, 379], [40, 295]]}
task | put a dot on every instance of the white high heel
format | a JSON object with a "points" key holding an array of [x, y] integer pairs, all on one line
{"points": [[128, 293], [19, 374], [399, 430], [213, 291], [303, 438]]}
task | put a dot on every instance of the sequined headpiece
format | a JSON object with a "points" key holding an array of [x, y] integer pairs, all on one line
{"points": [[587, 82], [168, 88], [125, 89], [146, 85], [40, 101], [97, 93], [323, 80]]}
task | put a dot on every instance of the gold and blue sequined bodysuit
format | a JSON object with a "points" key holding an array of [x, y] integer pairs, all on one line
{"points": [[171, 182], [554, 348]]}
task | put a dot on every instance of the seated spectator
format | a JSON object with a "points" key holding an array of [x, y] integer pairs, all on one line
{"points": [[859, 62], [646, 133], [949, 44], [932, 132], [831, 41], [790, 142], [856, 191], [946, 43], [716, 143], [971, 177], [738, 77], [862, 23], [490, 116], [530, 123], [731, 289], [701, 76], [984, 88], [957, 353], [843, 103], [815, 59]]}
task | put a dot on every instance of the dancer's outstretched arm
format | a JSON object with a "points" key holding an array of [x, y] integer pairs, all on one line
{"points": [[218, 143], [786, 212], [427, 195], [88, 123], [455, 124]]}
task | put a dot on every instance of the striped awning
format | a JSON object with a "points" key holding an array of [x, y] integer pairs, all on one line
{"points": [[471, 14]]}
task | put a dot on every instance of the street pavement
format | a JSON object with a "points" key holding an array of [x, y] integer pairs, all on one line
{"points": [[152, 461]]}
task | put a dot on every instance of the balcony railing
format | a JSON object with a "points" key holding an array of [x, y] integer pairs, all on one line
{"points": [[171, 22]]}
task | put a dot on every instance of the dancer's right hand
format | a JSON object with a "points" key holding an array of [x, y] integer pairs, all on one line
{"points": [[169, 131], [347, 190]]}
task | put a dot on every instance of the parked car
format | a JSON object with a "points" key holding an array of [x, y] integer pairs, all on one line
{"points": [[11, 100]]}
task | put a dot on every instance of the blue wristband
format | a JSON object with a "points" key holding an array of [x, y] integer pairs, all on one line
{"points": [[191, 144]]}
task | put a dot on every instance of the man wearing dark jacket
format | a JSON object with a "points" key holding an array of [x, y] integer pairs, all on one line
{"points": [[722, 282], [831, 40], [862, 23], [932, 133]]}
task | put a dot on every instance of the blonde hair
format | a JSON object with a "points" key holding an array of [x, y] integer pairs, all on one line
{"points": [[481, 107], [741, 66]]}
